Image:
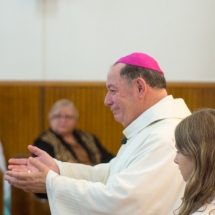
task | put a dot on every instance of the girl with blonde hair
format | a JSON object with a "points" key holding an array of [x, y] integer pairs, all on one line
{"points": [[195, 143]]}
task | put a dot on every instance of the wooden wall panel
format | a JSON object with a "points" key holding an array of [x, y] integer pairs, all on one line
{"points": [[23, 203], [19, 117], [24, 108], [196, 95]]}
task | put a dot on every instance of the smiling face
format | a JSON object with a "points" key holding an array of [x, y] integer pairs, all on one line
{"points": [[185, 165], [121, 98]]}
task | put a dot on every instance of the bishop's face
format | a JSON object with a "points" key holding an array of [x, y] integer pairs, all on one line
{"points": [[120, 96]]}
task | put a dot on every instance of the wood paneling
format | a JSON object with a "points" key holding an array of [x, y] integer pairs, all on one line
{"points": [[196, 95], [23, 203], [19, 117], [24, 108]]}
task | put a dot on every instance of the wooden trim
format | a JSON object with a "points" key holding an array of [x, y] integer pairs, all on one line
{"points": [[191, 84], [52, 83], [98, 84]]}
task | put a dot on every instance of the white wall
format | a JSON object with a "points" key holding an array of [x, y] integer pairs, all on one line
{"points": [[20, 40], [79, 40]]}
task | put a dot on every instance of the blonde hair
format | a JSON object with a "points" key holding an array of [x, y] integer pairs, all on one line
{"points": [[63, 103], [195, 138]]}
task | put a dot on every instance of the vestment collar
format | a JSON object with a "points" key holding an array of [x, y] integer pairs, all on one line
{"points": [[168, 107]]}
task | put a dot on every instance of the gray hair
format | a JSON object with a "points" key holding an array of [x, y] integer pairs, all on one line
{"points": [[153, 78], [63, 103]]}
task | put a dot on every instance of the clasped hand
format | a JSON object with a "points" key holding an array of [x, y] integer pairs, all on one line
{"points": [[29, 174]]}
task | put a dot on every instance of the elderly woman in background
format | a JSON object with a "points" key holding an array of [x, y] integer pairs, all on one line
{"points": [[195, 143], [66, 143]]}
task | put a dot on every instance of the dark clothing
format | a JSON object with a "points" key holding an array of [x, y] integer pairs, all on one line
{"points": [[57, 148]]}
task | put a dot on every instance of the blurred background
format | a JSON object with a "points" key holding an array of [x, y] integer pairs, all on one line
{"points": [[54, 49], [79, 40]]}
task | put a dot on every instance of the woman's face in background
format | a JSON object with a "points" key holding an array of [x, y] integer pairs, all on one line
{"points": [[63, 120]]}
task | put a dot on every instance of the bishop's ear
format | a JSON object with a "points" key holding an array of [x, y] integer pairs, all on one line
{"points": [[141, 86]]}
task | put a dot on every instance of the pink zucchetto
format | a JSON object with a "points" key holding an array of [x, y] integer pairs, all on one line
{"points": [[142, 60]]}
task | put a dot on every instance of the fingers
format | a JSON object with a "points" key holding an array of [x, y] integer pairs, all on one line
{"points": [[24, 181], [29, 181], [11, 180], [23, 168], [37, 164], [17, 175], [20, 168], [18, 165], [35, 150], [18, 161], [16, 179]]}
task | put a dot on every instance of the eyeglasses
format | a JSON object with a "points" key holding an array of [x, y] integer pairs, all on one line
{"points": [[66, 117]]}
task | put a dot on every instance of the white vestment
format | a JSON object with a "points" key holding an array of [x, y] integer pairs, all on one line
{"points": [[141, 180]]}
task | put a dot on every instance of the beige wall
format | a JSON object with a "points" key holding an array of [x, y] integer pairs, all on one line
{"points": [[79, 40]]}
